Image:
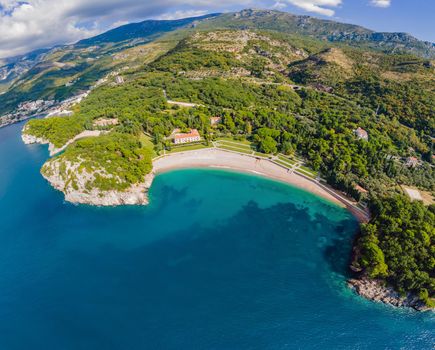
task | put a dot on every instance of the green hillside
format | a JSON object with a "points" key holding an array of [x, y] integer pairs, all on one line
{"points": [[69, 70]]}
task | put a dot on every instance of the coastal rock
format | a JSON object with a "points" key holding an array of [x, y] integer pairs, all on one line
{"points": [[74, 181], [29, 139], [376, 290]]}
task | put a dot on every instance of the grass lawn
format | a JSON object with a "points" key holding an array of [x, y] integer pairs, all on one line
{"points": [[230, 139], [188, 147], [282, 163], [235, 144], [308, 170], [286, 160], [147, 143], [259, 154], [306, 173], [235, 149]]}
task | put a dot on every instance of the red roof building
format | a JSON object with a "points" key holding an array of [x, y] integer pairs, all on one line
{"points": [[360, 189], [215, 120], [191, 136], [411, 162], [361, 134]]}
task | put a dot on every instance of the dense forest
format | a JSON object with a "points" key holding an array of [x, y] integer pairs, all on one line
{"points": [[398, 244]]}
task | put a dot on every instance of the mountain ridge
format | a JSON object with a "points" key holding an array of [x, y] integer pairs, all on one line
{"points": [[328, 30], [139, 29]]}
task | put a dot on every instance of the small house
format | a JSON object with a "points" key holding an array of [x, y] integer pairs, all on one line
{"points": [[411, 162], [361, 190], [413, 194], [361, 134], [215, 121]]}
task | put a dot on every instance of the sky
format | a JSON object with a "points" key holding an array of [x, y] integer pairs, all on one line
{"points": [[33, 24]]}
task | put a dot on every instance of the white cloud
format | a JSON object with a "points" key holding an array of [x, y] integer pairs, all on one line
{"points": [[279, 5], [30, 24], [182, 14], [381, 3], [322, 7]]}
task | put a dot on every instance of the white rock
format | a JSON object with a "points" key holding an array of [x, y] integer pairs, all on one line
{"points": [[76, 191]]}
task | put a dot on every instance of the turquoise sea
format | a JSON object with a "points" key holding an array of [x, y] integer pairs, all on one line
{"points": [[219, 260]]}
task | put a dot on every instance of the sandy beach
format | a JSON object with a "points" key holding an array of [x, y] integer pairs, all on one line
{"points": [[215, 158]]}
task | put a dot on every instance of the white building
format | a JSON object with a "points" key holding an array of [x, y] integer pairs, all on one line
{"points": [[191, 136]]}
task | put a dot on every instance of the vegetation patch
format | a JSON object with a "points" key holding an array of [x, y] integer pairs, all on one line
{"points": [[56, 130], [398, 245], [116, 160]]}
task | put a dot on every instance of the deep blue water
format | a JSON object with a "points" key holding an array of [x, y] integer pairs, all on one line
{"points": [[218, 260]]}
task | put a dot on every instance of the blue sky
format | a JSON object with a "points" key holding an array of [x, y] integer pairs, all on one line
{"points": [[416, 17], [32, 24]]}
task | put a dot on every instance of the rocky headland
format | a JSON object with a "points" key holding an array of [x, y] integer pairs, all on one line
{"points": [[29, 139], [77, 185]]}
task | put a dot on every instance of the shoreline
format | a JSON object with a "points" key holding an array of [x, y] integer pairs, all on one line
{"points": [[212, 158], [378, 291], [218, 159], [29, 139]]}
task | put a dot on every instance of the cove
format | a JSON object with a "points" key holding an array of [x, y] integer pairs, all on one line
{"points": [[219, 260]]}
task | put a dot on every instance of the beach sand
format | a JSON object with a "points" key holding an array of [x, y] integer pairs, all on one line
{"points": [[219, 159]]}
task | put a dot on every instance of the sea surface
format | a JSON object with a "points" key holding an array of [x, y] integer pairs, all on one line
{"points": [[218, 260]]}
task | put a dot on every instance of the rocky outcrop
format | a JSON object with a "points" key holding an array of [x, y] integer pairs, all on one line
{"points": [[376, 290], [76, 183], [29, 139]]}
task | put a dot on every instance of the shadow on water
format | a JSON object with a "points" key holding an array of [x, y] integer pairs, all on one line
{"points": [[224, 287], [338, 252]]}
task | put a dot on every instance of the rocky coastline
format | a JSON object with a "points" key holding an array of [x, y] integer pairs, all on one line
{"points": [[74, 182], [378, 291], [29, 139]]}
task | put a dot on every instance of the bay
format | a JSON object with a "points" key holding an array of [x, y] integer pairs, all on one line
{"points": [[218, 260]]}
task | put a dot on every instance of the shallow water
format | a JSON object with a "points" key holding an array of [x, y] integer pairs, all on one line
{"points": [[219, 260]]}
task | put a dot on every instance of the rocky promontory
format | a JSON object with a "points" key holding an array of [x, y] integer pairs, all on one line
{"points": [[29, 139], [77, 184], [378, 291]]}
